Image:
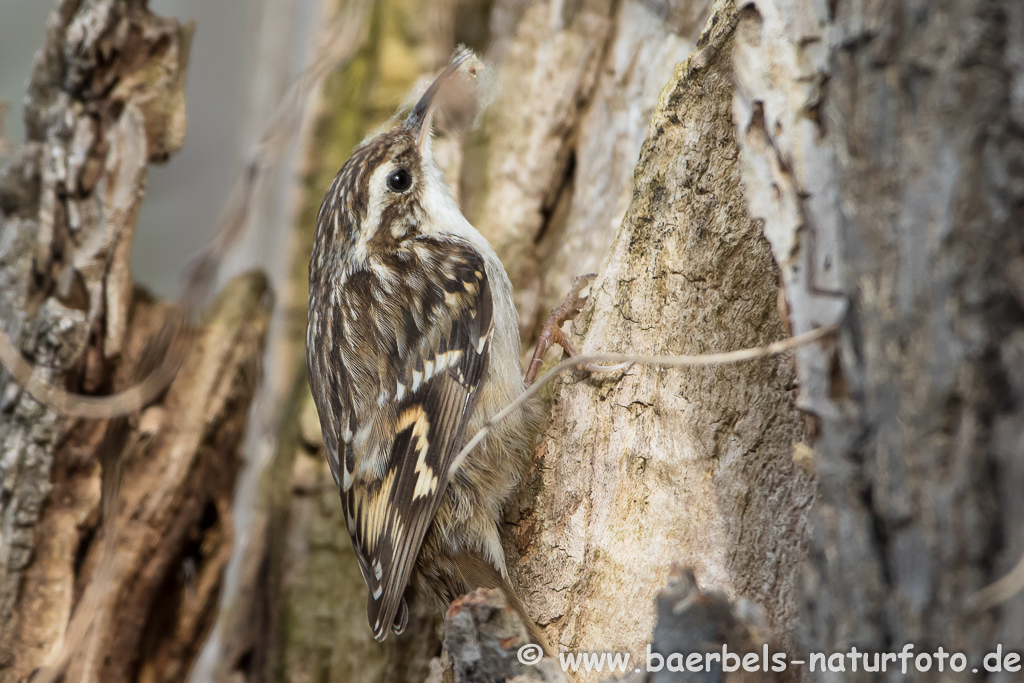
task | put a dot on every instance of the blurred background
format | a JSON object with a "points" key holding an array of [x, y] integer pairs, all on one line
{"points": [[224, 85]]}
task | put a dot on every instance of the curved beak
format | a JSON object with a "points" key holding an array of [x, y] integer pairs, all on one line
{"points": [[419, 119]]}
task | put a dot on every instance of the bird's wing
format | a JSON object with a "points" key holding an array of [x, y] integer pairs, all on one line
{"points": [[401, 451]]}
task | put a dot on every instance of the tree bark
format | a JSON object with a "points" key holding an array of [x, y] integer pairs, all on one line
{"points": [[881, 144], [113, 533], [649, 467], [578, 83], [486, 641], [547, 179]]}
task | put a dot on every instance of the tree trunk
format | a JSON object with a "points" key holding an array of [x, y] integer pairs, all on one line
{"points": [[881, 144], [650, 467], [113, 533]]}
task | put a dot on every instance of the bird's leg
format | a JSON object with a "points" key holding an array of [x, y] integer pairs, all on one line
{"points": [[552, 332]]}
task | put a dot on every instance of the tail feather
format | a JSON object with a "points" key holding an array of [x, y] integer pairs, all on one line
{"points": [[479, 573]]}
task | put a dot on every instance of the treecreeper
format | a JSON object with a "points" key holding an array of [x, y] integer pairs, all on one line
{"points": [[412, 346]]}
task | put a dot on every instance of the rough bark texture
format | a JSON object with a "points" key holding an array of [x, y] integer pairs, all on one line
{"points": [[882, 145], [651, 467], [113, 534], [483, 637], [552, 177]]}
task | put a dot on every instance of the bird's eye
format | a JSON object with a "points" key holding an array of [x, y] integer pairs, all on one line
{"points": [[399, 181]]}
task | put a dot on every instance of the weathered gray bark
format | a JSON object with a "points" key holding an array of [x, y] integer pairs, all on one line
{"points": [[882, 145], [578, 85], [113, 533]]}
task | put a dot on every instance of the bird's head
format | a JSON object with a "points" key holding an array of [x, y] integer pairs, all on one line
{"points": [[390, 189]]}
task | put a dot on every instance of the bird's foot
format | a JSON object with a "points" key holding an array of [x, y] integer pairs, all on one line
{"points": [[552, 333]]}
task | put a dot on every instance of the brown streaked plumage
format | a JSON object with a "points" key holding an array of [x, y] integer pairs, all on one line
{"points": [[412, 345]]}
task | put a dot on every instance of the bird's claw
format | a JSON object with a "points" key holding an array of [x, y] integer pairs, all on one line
{"points": [[552, 332]]}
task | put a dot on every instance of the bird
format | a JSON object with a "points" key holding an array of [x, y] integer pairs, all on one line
{"points": [[412, 346]]}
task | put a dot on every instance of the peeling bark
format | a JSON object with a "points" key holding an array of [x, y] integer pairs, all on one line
{"points": [[578, 84], [114, 533]]}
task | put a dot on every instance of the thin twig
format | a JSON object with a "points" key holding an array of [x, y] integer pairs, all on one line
{"points": [[740, 355], [1000, 591]]}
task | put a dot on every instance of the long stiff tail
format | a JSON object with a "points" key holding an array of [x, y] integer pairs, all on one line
{"points": [[479, 573]]}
